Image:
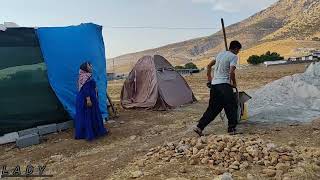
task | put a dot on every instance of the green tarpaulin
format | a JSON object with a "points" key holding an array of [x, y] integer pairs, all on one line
{"points": [[26, 98]]}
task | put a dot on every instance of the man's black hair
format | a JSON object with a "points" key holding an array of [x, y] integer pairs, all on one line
{"points": [[235, 45]]}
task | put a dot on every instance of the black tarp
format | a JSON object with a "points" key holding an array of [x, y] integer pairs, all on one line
{"points": [[26, 98]]}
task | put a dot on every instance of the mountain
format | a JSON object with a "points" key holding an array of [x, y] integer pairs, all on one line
{"points": [[285, 20]]}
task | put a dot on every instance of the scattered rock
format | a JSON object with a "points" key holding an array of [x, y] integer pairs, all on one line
{"points": [[174, 160], [317, 132], [294, 124], [283, 167], [150, 153], [272, 167], [193, 162], [292, 143], [286, 178], [166, 159], [236, 163], [244, 165], [133, 137], [182, 148], [299, 170], [56, 158], [111, 121], [182, 170], [286, 158], [269, 172], [271, 146], [114, 159], [136, 174], [226, 176], [315, 128], [9, 148], [199, 146], [250, 177], [219, 170], [234, 167], [141, 163], [279, 173], [261, 163], [205, 160], [122, 122]]}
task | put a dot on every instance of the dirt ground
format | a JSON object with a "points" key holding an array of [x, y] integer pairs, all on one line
{"points": [[136, 131]]}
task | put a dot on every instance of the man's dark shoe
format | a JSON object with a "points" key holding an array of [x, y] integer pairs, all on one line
{"points": [[198, 131], [232, 131]]}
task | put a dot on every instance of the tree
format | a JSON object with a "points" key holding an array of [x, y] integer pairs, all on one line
{"points": [[268, 56], [316, 39], [190, 66], [254, 59], [179, 67], [268, 53]]}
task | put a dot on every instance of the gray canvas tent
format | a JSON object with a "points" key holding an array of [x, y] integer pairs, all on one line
{"points": [[154, 84]]}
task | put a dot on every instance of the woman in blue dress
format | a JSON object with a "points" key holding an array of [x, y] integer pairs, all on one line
{"points": [[88, 120]]}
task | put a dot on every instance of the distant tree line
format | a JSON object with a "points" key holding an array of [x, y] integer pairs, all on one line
{"points": [[268, 56], [316, 39], [187, 66]]}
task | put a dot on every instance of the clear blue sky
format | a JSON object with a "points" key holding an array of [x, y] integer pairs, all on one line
{"points": [[110, 13]]}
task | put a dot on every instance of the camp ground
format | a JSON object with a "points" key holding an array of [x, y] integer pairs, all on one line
{"points": [[137, 132]]}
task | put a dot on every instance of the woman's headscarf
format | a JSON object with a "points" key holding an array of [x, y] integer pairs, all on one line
{"points": [[84, 74]]}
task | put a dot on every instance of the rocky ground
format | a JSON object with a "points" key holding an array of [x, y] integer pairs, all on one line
{"points": [[234, 155], [161, 145]]}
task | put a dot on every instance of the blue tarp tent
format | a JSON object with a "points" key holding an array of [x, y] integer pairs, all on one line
{"points": [[64, 49], [39, 73]]}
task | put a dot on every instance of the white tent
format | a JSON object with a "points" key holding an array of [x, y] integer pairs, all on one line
{"points": [[268, 63], [6, 25]]}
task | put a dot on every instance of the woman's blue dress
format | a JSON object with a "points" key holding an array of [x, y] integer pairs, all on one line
{"points": [[88, 121]]}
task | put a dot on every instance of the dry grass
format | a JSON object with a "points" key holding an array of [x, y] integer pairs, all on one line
{"points": [[286, 48], [203, 62]]}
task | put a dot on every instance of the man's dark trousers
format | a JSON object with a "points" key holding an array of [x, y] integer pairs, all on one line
{"points": [[221, 97]]}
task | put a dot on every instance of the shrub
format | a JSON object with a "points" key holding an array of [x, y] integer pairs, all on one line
{"points": [[268, 56], [190, 66], [254, 59], [179, 67]]}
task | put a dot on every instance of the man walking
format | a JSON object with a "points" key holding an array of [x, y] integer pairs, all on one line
{"points": [[221, 89]]}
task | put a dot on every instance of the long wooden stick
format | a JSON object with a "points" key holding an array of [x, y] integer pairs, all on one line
{"points": [[224, 34], [112, 106], [222, 116]]}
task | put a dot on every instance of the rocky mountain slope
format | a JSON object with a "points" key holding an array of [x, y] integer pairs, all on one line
{"points": [[286, 19]]}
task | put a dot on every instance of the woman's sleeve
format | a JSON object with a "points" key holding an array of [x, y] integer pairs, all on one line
{"points": [[85, 90]]}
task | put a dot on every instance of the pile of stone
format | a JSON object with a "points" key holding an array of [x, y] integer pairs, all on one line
{"points": [[228, 154]]}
